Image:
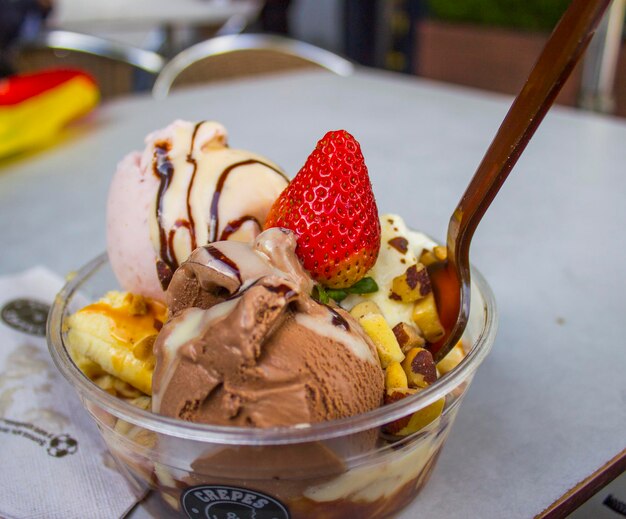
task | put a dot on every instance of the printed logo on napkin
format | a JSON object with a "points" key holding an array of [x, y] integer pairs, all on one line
{"points": [[26, 315], [27, 377], [220, 502], [56, 445]]}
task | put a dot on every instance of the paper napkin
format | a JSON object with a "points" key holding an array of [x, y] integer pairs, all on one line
{"points": [[53, 463]]}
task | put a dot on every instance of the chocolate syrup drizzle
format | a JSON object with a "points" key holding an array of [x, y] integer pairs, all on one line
{"points": [[214, 221], [234, 225], [284, 290], [192, 160], [337, 320], [220, 256], [164, 171]]}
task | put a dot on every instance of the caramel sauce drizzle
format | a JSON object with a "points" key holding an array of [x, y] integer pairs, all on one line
{"points": [[129, 327]]}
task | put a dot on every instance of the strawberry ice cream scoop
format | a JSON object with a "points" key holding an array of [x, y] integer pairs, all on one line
{"points": [[186, 189]]}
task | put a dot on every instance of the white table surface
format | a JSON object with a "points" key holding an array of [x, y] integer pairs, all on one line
{"points": [[548, 407]]}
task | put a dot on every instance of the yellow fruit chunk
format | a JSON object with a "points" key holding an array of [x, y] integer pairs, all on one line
{"points": [[393, 395], [423, 417], [416, 421], [395, 377], [412, 285], [452, 359], [426, 317], [364, 308], [419, 367], [428, 257], [383, 338]]}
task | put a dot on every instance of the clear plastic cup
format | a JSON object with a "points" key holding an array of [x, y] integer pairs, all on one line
{"points": [[337, 469]]}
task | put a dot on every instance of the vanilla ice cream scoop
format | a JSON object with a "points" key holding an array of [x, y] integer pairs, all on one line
{"points": [[187, 189]]}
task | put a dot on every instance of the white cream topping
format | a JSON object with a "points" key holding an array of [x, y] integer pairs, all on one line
{"points": [[188, 326], [390, 265], [326, 328]]}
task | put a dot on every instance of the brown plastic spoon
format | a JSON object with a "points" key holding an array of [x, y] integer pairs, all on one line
{"points": [[451, 279]]}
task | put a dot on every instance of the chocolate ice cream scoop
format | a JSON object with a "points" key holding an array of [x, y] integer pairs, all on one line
{"points": [[223, 269], [248, 346]]}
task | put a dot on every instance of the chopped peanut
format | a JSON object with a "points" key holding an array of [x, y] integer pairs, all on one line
{"points": [[408, 336], [441, 253], [428, 257], [419, 367], [412, 285], [416, 421]]}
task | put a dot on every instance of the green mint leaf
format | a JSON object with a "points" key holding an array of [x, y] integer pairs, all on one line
{"points": [[337, 294], [364, 286], [320, 294]]}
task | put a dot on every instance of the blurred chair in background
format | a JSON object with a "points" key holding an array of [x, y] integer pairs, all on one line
{"points": [[18, 18], [114, 65], [237, 56], [274, 16]]}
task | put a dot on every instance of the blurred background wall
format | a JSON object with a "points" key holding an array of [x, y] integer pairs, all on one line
{"points": [[485, 44]]}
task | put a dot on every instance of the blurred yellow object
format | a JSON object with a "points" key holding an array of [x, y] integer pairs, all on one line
{"points": [[34, 107]]}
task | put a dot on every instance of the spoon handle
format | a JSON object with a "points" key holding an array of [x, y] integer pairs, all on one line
{"points": [[451, 280], [567, 42]]}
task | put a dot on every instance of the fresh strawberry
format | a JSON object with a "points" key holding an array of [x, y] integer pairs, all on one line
{"points": [[330, 206]]}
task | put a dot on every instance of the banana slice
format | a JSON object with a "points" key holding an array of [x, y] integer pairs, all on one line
{"points": [[114, 336], [117, 387]]}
